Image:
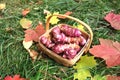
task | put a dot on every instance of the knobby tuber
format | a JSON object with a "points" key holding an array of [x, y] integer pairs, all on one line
{"points": [[64, 41], [60, 48], [60, 37], [69, 31]]}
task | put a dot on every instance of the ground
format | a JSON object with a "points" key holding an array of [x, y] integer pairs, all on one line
{"points": [[14, 59]]}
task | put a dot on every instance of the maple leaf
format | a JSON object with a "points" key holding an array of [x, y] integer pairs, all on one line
{"points": [[108, 50], [82, 67], [109, 77], [25, 12], [25, 23], [2, 6], [99, 77], [31, 34], [40, 29], [113, 19], [80, 27], [82, 74], [15, 77], [85, 62], [54, 19]]}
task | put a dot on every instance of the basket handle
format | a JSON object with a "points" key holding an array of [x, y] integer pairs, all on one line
{"points": [[77, 20]]}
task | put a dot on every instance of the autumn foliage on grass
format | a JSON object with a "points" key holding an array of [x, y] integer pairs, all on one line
{"points": [[15, 77], [108, 50], [113, 19]]}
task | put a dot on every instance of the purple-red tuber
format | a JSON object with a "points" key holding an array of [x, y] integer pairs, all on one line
{"points": [[64, 41]]}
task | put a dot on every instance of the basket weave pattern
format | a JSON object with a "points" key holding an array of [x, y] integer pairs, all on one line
{"points": [[58, 58]]}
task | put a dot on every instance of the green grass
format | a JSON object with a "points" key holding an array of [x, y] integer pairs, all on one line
{"points": [[14, 59]]}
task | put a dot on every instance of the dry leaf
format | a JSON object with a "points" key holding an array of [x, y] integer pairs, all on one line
{"points": [[25, 23], [82, 67], [109, 51], [30, 34], [25, 12], [15, 77], [109, 77], [33, 54], [27, 44], [46, 11], [54, 19], [113, 19], [40, 29], [2, 6], [67, 13]]}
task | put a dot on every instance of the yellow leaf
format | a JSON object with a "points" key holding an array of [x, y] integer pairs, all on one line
{"points": [[99, 77], [82, 74], [81, 27], [85, 62], [2, 6], [25, 23], [83, 66], [54, 19], [27, 44]]}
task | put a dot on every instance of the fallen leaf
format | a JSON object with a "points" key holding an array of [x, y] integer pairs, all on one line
{"points": [[82, 74], [25, 23], [99, 77], [54, 19], [85, 62], [33, 54], [40, 29], [67, 13], [8, 78], [15, 77], [25, 12], [108, 50], [31, 34], [83, 66], [113, 19], [81, 27], [46, 11], [2, 6], [109, 77], [27, 44]]}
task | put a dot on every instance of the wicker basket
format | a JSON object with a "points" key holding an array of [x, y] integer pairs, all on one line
{"points": [[58, 58]]}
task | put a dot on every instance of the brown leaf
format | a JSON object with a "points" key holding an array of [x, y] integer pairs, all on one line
{"points": [[33, 54], [109, 51], [67, 13], [113, 19]]}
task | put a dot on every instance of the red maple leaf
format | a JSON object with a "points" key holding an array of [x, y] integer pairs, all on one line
{"points": [[30, 34], [16, 77], [34, 34], [109, 77], [108, 50], [113, 19], [40, 29]]}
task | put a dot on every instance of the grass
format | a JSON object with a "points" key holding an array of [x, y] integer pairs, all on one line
{"points": [[14, 59]]}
